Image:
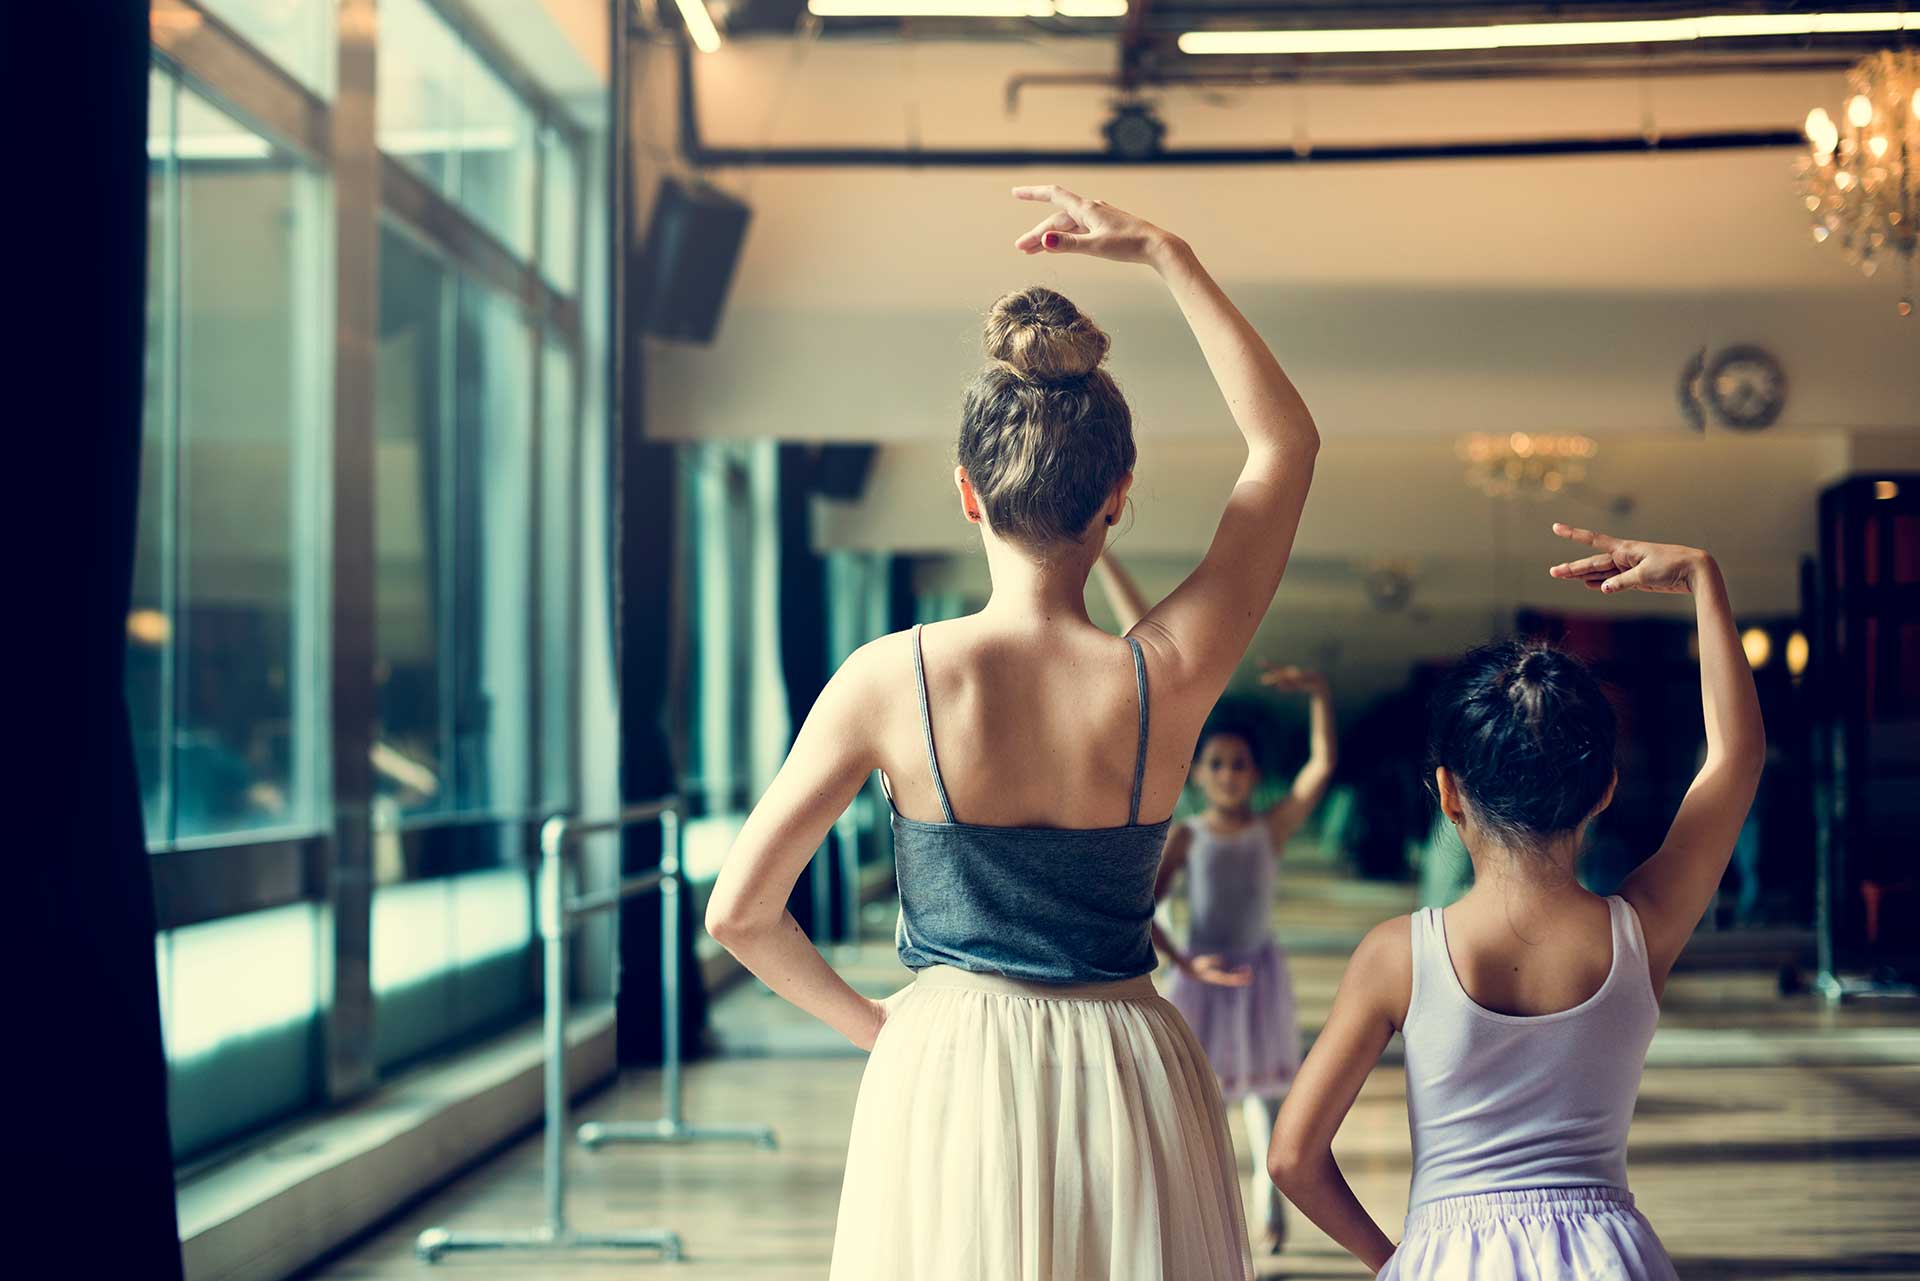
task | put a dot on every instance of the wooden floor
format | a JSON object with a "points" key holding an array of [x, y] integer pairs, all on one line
{"points": [[1774, 1138]]}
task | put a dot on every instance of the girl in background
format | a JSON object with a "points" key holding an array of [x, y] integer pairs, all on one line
{"points": [[1231, 980], [1527, 1006]]}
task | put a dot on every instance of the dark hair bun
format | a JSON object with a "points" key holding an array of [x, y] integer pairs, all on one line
{"points": [[1528, 734], [1043, 337]]}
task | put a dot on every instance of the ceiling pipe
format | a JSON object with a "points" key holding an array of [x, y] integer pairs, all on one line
{"points": [[1288, 77], [697, 153]]}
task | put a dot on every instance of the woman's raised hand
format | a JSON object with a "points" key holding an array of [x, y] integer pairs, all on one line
{"points": [[1620, 564], [1094, 227]]}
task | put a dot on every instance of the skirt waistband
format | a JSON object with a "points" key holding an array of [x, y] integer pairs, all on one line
{"points": [[1526, 1203], [947, 977]]}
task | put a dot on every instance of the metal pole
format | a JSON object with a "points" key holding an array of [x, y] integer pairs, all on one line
{"points": [[670, 960], [554, 933], [672, 1126], [556, 912], [819, 871], [847, 840]]}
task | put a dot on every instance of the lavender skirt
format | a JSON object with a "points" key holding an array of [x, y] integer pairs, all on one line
{"points": [[1540, 1234], [1248, 1032]]}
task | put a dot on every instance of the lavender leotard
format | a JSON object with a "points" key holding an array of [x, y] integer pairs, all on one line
{"points": [[1520, 1125], [1249, 1033]]}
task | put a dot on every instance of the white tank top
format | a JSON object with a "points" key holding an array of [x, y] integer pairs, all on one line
{"points": [[1500, 1102]]}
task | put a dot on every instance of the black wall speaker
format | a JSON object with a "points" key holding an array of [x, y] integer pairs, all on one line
{"points": [[840, 471], [686, 265]]}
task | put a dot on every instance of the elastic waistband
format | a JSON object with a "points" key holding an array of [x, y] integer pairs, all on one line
{"points": [[1526, 1203], [947, 977]]}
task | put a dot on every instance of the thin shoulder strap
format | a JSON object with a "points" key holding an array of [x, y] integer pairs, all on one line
{"points": [[1140, 753], [1429, 956], [1627, 934], [926, 727]]}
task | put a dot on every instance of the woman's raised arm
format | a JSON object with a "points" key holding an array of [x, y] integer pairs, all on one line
{"points": [[1208, 621]]}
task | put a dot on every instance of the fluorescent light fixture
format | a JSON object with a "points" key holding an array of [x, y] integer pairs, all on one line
{"points": [[939, 8], [1090, 8], [706, 36], [1520, 35]]}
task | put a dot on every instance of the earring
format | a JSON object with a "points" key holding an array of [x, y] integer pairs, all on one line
{"points": [[973, 515], [1109, 520]]}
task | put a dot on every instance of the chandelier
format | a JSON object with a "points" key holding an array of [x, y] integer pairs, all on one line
{"points": [[1539, 466], [1861, 179]]}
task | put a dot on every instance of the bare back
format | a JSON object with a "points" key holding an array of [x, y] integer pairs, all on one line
{"points": [[1533, 961], [1034, 728]]}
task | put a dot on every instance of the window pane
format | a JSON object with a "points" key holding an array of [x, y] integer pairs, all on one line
{"points": [[496, 155], [245, 678], [239, 998], [559, 514], [449, 960], [149, 620], [297, 34], [453, 490], [492, 469], [418, 89], [415, 368], [559, 217]]}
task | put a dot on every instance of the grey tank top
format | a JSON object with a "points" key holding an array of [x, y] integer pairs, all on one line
{"points": [[1230, 888], [1503, 1102], [1041, 904]]}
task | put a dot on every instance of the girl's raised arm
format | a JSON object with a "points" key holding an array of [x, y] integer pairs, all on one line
{"points": [[1310, 784], [1122, 593], [1206, 624], [1672, 889]]}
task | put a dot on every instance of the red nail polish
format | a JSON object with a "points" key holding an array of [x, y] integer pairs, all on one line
{"points": [[1050, 240]]}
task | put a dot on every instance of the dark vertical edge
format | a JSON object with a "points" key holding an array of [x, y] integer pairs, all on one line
{"points": [[349, 870], [88, 1136]]}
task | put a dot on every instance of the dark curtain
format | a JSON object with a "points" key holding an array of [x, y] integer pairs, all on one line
{"points": [[803, 654], [87, 1088], [647, 518]]}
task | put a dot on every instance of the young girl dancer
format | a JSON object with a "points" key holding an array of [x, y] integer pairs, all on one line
{"points": [[1231, 981], [1527, 1006], [1033, 1111]]}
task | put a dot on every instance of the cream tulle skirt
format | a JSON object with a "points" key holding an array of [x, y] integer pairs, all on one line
{"points": [[1010, 1131]]}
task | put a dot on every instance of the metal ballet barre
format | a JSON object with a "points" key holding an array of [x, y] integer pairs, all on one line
{"points": [[557, 914]]}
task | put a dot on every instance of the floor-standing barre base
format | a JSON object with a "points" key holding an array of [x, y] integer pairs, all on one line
{"points": [[595, 1133], [434, 1242]]}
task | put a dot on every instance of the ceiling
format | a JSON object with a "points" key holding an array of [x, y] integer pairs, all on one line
{"points": [[1143, 39]]}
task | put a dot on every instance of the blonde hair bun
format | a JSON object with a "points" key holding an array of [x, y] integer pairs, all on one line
{"points": [[1041, 336]]}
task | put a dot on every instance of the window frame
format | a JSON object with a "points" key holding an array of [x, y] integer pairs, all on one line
{"points": [[213, 877]]}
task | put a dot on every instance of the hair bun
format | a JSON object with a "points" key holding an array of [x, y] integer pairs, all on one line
{"points": [[1043, 337], [1535, 665]]}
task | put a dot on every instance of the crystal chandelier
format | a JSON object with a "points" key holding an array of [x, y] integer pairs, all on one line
{"points": [[1861, 180], [1539, 466]]}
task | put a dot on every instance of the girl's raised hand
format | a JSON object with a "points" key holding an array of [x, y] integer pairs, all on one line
{"points": [[1289, 677], [1621, 564], [1082, 226]]}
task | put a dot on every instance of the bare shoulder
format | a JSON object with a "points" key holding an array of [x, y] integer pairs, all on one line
{"points": [[1183, 693], [867, 681], [1381, 971]]}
